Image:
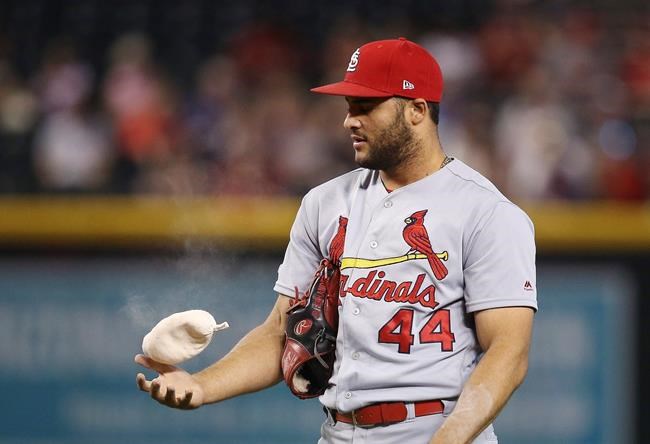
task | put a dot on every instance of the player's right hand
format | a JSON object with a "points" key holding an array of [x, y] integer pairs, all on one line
{"points": [[173, 387]]}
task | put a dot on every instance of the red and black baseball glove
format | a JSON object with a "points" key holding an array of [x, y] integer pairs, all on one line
{"points": [[312, 325]]}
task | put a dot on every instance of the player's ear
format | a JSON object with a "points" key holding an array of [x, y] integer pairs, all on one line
{"points": [[416, 111]]}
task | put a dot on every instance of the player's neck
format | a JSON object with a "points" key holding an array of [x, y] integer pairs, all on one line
{"points": [[427, 162]]}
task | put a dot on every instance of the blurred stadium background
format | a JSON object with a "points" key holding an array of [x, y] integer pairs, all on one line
{"points": [[153, 155]]}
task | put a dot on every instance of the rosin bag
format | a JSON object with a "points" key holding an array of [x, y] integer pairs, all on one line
{"points": [[180, 336]]}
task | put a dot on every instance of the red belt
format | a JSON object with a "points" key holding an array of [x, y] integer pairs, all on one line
{"points": [[387, 413]]}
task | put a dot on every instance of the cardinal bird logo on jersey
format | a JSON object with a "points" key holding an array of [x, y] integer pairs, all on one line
{"points": [[336, 246], [416, 236]]}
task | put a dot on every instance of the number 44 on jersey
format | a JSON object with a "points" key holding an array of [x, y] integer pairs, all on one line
{"points": [[399, 330]]}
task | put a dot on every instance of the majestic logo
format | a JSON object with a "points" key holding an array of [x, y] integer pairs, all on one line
{"points": [[303, 327], [354, 61], [528, 286], [407, 85]]}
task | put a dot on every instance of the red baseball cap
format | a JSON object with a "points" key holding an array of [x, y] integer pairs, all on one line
{"points": [[388, 68]]}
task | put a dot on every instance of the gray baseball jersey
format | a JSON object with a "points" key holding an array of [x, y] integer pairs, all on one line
{"points": [[414, 263]]}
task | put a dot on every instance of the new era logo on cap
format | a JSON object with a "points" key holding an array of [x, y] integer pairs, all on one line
{"points": [[407, 85]]}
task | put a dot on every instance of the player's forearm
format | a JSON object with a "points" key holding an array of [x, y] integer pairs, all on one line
{"points": [[252, 365], [498, 374]]}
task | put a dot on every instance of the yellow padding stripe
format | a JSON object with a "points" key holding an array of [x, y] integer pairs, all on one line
{"points": [[265, 222]]}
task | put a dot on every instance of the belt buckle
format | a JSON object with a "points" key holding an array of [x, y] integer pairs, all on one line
{"points": [[353, 414], [355, 421]]}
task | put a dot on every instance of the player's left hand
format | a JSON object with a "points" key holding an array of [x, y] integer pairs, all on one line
{"points": [[174, 387]]}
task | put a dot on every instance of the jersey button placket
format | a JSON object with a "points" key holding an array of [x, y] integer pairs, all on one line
{"points": [[388, 204], [373, 244]]}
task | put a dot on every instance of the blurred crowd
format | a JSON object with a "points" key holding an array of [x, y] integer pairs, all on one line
{"points": [[549, 105]]}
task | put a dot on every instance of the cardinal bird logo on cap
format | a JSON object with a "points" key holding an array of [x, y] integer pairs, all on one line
{"points": [[416, 236]]}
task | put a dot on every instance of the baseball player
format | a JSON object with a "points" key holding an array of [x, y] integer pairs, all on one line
{"points": [[437, 284]]}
